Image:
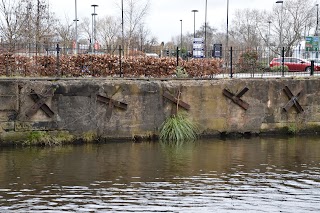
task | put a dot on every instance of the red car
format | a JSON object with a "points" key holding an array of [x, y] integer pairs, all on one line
{"points": [[294, 64]]}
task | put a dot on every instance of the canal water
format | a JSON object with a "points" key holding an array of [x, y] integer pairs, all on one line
{"points": [[236, 175]]}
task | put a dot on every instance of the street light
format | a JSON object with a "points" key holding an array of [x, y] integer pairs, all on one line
{"points": [[205, 30], [281, 48], [181, 39], [194, 22], [122, 26], [94, 25], [76, 27], [268, 40], [316, 33], [280, 2], [227, 23]]}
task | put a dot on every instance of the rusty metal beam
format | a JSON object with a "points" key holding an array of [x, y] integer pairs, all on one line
{"points": [[112, 102], [175, 100], [293, 100], [40, 103], [237, 98]]}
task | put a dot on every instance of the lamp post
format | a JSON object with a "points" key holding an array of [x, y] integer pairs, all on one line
{"points": [[76, 27], [194, 22], [227, 24], [281, 48], [205, 30], [181, 39], [316, 33], [269, 42], [94, 25], [280, 2], [122, 26]]}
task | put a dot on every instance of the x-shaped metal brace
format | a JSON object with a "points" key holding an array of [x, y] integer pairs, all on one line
{"points": [[40, 103], [236, 98], [176, 100], [293, 100], [112, 103]]}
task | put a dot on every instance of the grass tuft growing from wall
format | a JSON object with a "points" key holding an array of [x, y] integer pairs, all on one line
{"points": [[177, 128]]}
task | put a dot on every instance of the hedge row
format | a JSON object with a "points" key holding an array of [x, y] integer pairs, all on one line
{"points": [[103, 65]]}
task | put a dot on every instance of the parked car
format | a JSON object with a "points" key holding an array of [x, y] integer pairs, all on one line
{"points": [[294, 64]]}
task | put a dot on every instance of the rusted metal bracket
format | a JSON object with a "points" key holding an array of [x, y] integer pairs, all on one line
{"points": [[176, 100], [237, 98], [112, 103], [293, 100], [40, 103]]}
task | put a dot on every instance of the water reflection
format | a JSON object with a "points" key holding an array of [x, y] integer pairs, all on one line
{"points": [[244, 175]]}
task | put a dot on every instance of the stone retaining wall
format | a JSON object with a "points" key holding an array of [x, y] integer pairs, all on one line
{"points": [[138, 107]]}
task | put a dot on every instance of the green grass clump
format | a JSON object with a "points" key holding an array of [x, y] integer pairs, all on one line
{"points": [[48, 139], [178, 128], [38, 138], [89, 136]]}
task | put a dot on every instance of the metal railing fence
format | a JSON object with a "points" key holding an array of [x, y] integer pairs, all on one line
{"points": [[234, 62]]}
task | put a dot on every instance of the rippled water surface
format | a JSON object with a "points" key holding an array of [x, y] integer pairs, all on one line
{"points": [[245, 175]]}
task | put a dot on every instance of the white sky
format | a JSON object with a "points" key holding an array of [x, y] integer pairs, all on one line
{"points": [[164, 16]]}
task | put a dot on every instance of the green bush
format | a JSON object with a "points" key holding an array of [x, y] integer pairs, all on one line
{"points": [[279, 68], [181, 72]]}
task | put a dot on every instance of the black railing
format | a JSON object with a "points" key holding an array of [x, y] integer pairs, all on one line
{"points": [[233, 62]]}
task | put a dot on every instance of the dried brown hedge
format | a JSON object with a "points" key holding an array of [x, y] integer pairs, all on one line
{"points": [[104, 66]]}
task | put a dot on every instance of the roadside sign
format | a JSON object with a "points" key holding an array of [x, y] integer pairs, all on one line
{"points": [[312, 43], [198, 48]]}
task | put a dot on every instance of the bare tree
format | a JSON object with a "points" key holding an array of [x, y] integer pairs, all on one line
{"points": [[66, 32], [39, 28], [134, 13], [296, 18], [12, 22], [108, 32], [245, 28], [84, 29]]}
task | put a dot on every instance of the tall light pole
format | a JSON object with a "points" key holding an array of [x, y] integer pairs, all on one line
{"points": [[280, 2], [194, 22], [122, 28], [316, 33], [181, 39], [227, 25], [94, 25], [269, 42], [205, 30], [76, 27]]}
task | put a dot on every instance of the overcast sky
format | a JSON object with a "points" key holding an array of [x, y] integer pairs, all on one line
{"points": [[164, 16]]}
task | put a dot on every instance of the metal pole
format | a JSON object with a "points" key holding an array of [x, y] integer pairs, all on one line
{"points": [[94, 26], [194, 22], [280, 2], [317, 19], [120, 61], [282, 61], [122, 25], [76, 27], [205, 31], [227, 24], [231, 72], [316, 34], [181, 39], [269, 43], [177, 56]]}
